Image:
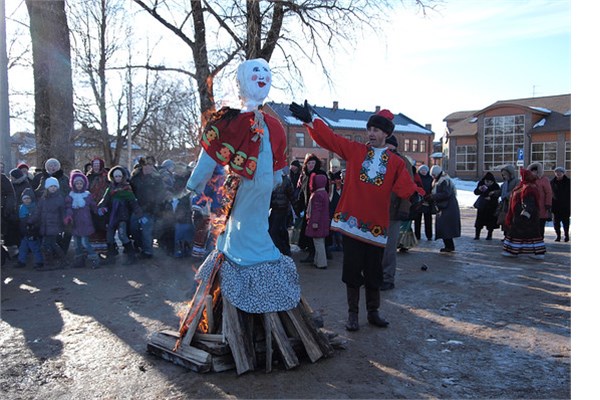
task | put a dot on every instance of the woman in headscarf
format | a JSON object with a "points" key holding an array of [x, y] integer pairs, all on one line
{"points": [[522, 220]]}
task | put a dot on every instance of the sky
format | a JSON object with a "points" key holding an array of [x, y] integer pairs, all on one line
{"points": [[465, 55]]}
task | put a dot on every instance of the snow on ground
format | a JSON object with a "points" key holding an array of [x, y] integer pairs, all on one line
{"points": [[464, 192]]}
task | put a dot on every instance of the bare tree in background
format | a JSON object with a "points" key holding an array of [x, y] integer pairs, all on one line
{"points": [[101, 32], [257, 28], [53, 117]]}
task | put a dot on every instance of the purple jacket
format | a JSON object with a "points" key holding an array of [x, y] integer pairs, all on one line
{"points": [[80, 205], [50, 212], [318, 208], [82, 216]]}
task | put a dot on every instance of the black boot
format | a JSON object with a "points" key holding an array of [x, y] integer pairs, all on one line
{"points": [[353, 296], [557, 236], [373, 301], [566, 235], [489, 235], [477, 233]]}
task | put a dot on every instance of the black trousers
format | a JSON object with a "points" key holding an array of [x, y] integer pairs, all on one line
{"points": [[362, 264], [427, 218]]}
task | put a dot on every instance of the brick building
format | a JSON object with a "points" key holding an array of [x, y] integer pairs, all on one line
{"points": [[517, 132], [414, 140]]}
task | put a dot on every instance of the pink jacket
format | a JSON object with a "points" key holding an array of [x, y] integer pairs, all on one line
{"points": [[318, 208]]}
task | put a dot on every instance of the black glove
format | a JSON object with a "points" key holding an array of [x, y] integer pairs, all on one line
{"points": [[416, 198], [303, 113]]}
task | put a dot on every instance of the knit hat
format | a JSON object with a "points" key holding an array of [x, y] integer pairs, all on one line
{"points": [[28, 192], [52, 181], [23, 165], [334, 162], [296, 163], [392, 140], [559, 169], [168, 164], [436, 170], [489, 176], [77, 174], [423, 168], [383, 120], [51, 161]]}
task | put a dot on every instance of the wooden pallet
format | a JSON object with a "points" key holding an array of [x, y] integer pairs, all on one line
{"points": [[243, 341]]}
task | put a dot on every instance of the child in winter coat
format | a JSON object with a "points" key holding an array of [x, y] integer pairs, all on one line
{"points": [[317, 218], [79, 208], [119, 203], [180, 211], [30, 237], [50, 213]]}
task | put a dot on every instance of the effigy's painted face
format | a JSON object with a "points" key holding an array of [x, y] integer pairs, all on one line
{"points": [[254, 81]]}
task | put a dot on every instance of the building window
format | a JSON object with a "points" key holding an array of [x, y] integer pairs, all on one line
{"points": [[502, 138], [314, 144], [349, 137], [415, 145], [466, 158], [406, 145], [358, 138], [422, 146], [568, 156], [300, 139], [544, 153]]}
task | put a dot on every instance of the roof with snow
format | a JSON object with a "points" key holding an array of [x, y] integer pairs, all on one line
{"points": [[555, 112], [339, 118]]}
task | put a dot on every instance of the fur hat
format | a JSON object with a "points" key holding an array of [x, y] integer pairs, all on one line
{"points": [[436, 170], [123, 170], [334, 162], [392, 140], [424, 168], [383, 120], [52, 181], [51, 161], [16, 174], [77, 174]]}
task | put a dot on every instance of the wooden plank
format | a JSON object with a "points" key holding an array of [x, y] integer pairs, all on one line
{"points": [[318, 335], [268, 345], [238, 337], [208, 337], [223, 363], [289, 357], [210, 321], [306, 334], [162, 345]]}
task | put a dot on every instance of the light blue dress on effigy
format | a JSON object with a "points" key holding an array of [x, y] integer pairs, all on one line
{"points": [[255, 276]]}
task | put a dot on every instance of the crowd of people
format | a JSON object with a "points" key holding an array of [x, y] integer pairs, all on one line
{"points": [[102, 211], [43, 213], [235, 206]]}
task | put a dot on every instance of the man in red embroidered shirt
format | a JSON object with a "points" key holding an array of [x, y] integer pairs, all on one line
{"points": [[362, 215]]}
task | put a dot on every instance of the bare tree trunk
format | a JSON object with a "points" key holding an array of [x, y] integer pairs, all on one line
{"points": [[53, 117], [203, 73]]}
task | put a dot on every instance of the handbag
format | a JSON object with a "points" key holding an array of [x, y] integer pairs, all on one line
{"points": [[479, 202]]}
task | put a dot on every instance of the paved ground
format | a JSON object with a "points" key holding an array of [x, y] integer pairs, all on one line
{"points": [[474, 325]]}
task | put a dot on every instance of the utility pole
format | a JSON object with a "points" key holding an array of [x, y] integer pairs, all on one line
{"points": [[129, 118], [6, 155]]}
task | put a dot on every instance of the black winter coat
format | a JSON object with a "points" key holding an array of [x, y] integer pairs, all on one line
{"points": [[561, 196]]}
